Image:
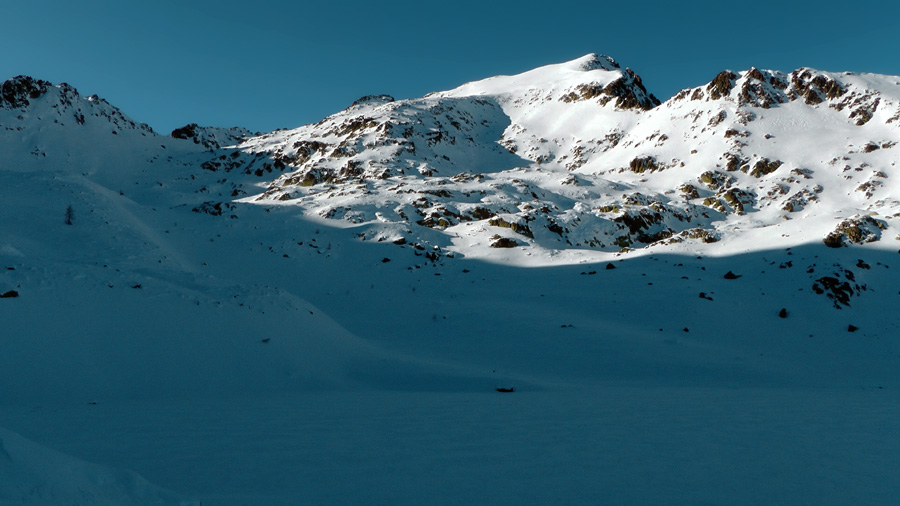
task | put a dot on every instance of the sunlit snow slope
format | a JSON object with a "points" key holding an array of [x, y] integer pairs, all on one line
{"points": [[576, 158]]}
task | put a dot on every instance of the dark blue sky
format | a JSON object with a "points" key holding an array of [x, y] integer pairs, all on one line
{"points": [[269, 64]]}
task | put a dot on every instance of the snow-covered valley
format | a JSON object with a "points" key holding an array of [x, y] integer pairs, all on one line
{"points": [[693, 301]]}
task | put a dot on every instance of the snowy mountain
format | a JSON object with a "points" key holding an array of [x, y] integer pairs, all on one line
{"points": [[578, 156], [255, 318], [41, 101], [572, 158]]}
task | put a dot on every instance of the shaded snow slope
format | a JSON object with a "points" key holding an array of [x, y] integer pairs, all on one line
{"points": [[33, 475], [623, 445], [103, 244]]}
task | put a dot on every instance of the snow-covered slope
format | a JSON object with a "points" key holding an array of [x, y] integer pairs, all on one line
{"points": [[36, 476], [108, 288], [765, 148]]}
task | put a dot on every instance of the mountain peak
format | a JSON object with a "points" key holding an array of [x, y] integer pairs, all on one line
{"points": [[592, 76], [211, 138], [66, 120], [17, 91], [373, 99], [594, 61]]}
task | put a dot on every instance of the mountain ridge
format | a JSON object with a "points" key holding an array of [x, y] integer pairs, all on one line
{"points": [[607, 136], [576, 157]]}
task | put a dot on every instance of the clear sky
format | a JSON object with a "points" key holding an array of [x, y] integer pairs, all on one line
{"points": [[267, 64]]}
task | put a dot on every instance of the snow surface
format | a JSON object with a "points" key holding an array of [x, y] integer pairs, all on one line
{"points": [[34, 475], [238, 347]]}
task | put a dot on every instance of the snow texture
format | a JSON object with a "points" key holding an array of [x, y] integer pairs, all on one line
{"points": [[34, 475]]}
